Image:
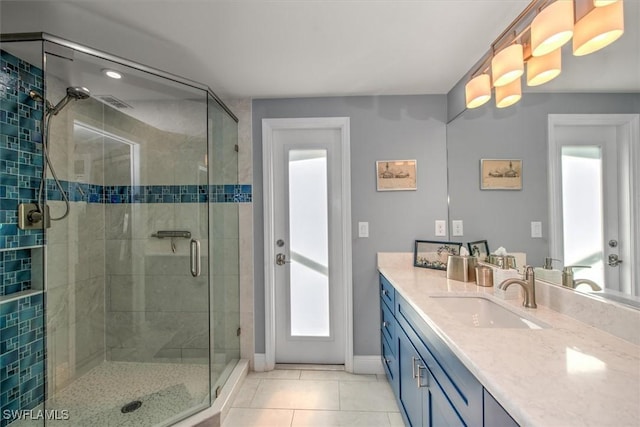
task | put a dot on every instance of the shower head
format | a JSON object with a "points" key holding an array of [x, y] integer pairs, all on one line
{"points": [[78, 92], [72, 93]]}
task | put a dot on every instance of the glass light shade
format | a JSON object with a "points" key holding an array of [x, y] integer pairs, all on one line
{"points": [[507, 65], [600, 3], [509, 94], [552, 27], [541, 69], [598, 28], [478, 91]]}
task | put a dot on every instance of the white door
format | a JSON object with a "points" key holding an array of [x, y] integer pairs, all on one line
{"points": [[305, 254], [593, 187]]}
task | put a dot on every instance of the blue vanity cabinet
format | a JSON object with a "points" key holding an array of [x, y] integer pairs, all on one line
{"points": [[388, 327], [494, 413], [413, 378], [422, 398], [431, 385]]}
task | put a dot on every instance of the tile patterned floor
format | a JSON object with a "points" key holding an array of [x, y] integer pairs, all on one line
{"points": [[299, 397]]}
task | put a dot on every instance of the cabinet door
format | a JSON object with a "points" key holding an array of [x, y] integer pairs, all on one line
{"points": [[412, 370], [442, 413], [494, 413]]}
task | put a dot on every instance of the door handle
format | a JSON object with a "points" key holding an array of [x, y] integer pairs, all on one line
{"points": [[614, 260], [419, 376], [196, 266], [281, 259]]}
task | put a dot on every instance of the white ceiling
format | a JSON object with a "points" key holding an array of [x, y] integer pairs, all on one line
{"points": [[295, 48]]}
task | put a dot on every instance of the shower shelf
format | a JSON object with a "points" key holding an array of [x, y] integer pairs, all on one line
{"points": [[19, 295]]}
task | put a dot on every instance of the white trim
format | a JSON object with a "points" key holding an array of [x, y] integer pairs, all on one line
{"points": [[260, 362], [367, 365], [268, 127], [630, 125]]}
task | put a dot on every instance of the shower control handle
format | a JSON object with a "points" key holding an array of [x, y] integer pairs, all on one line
{"points": [[196, 266]]}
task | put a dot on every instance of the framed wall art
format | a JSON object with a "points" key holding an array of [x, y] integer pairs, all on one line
{"points": [[500, 174], [433, 254], [479, 249], [396, 175]]}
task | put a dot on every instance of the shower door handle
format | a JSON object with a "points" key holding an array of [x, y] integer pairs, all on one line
{"points": [[196, 266]]}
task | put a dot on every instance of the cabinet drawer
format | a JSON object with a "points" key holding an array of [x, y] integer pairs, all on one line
{"points": [[388, 324], [387, 293], [390, 363], [460, 386]]}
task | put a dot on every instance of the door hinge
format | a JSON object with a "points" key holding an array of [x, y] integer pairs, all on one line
{"points": [[218, 391], [239, 332]]}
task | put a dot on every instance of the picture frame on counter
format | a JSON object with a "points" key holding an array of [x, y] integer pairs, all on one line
{"points": [[479, 249], [433, 254], [501, 174], [396, 175]]}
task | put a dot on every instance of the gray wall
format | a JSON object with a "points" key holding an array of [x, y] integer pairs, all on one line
{"points": [[382, 128], [518, 132]]}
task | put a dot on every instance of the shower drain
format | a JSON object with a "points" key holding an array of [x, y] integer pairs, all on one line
{"points": [[131, 406]]}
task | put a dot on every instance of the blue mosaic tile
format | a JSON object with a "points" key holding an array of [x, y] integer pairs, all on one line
{"points": [[22, 368], [20, 146]]}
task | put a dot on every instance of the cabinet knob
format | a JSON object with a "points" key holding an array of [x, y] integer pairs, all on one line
{"points": [[385, 324], [385, 293]]}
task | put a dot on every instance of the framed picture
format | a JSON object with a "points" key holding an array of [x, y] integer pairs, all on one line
{"points": [[500, 174], [479, 249], [432, 254], [396, 175]]}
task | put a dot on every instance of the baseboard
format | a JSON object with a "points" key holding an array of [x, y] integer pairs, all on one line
{"points": [[367, 365], [259, 362]]}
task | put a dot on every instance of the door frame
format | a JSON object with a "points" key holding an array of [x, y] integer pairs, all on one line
{"points": [[628, 131], [269, 126]]}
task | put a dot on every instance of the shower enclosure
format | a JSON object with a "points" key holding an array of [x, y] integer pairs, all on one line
{"points": [[124, 308]]}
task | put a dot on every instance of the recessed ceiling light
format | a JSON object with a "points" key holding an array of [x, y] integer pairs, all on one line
{"points": [[111, 73]]}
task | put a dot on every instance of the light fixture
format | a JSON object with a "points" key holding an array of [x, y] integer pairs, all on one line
{"points": [[541, 69], [600, 27], [509, 94], [535, 38], [112, 73], [507, 65], [601, 3], [478, 91], [552, 27]]}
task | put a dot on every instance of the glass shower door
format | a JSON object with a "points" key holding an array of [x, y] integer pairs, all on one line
{"points": [[127, 268]]}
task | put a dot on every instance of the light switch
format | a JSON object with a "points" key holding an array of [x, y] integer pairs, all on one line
{"points": [[363, 229], [441, 227], [457, 227], [536, 229]]}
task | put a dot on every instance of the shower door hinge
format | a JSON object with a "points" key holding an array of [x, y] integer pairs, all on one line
{"points": [[236, 148], [218, 391], [238, 332]]}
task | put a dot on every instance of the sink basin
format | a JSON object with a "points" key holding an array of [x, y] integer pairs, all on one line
{"points": [[481, 312]]}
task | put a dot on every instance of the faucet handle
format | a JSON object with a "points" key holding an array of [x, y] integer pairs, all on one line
{"points": [[569, 268], [548, 262]]}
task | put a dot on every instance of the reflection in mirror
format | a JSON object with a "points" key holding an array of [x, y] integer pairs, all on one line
{"points": [[605, 83]]}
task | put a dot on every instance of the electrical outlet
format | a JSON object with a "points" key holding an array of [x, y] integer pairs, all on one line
{"points": [[441, 227], [457, 227], [536, 229], [363, 229]]}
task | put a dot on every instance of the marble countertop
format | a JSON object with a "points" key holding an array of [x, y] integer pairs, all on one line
{"points": [[571, 374]]}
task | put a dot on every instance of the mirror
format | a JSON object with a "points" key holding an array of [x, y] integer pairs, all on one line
{"points": [[606, 82]]}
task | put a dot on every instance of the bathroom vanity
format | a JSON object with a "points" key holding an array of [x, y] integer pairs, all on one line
{"points": [[502, 364]]}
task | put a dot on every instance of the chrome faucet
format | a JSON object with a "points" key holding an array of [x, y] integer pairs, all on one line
{"points": [[528, 284], [568, 281]]}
